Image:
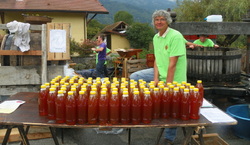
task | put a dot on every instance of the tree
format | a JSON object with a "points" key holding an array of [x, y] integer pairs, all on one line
{"points": [[231, 10], [140, 35], [124, 16], [197, 10], [93, 28]]}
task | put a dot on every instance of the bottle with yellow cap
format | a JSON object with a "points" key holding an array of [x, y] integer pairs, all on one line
{"points": [[147, 106], [166, 103], [156, 103], [93, 108], [114, 104], [60, 107], [82, 107], [185, 105], [70, 110], [42, 101], [136, 103], [103, 108], [199, 85], [51, 103], [175, 103], [195, 105], [125, 108]]}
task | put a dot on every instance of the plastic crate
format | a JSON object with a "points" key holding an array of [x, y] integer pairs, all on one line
{"points": [[209, 139]]}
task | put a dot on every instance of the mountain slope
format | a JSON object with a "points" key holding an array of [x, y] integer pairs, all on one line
{"points": [[140, 9]]}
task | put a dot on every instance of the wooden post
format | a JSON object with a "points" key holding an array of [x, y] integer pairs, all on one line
{"points": [[44, 55], [247, 55]]}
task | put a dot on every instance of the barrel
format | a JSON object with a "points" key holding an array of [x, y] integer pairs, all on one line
{"points": [[214, 64]]}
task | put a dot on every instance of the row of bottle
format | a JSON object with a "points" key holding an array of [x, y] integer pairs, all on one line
{"points": [[127, 105]]}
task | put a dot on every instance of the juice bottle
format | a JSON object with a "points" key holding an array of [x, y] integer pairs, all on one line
{"points": [[125, 108], [60, 107], [166, 103], [65, 93], [93, 108], [175, 103], [82, 107], [195, 105], [51, 103], [73, 89], [191, 90], [188, 85], [175, 83], [151, 89], [103, 108], [114, 108], [185, 105], [201, 90], [147, 106], [136, 108], [161, 89], [156, 103], [70, 110], [183, 83], [42, 101], [67, 87]]}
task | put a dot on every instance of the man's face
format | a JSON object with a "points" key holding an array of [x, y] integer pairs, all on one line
{"points": [[203, 38], [98, 40], [160, 23]]}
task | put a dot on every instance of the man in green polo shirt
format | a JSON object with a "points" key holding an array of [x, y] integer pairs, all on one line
{"points": [[204, 41], [170, 57], [169, 49]]}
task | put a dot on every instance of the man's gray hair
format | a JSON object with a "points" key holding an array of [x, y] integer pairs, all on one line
{"points": [[162, 13]]}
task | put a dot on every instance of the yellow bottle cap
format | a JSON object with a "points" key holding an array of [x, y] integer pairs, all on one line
{"points": [[156, 89], [136, 92], [176, 89], [92, 92], [125, 92], [166, 89], [81, 92], [60, 92], [114, 92], [103, 92], [43, 86], [70, 93]]}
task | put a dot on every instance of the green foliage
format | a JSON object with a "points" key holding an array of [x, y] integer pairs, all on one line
{"points": [[74, 46], [93, 28], [197, 10], [143, 54], [123, 16], [82, 48], [140, 35]]}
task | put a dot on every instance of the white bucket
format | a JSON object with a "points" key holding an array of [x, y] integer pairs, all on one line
{"points": [[214, 18]]}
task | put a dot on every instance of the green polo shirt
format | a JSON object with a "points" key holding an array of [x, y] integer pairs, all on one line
{"points": [[207, 43], [96, 55], [172, 43]]}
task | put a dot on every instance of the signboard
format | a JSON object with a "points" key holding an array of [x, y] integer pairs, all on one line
{"points": [[57, 41]]}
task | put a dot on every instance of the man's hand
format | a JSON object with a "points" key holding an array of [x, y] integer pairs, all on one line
{"points": [[216, 46]]}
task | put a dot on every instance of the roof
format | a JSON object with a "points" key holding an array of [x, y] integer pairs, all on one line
{"points": [[117, 28], [89, 6]]}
